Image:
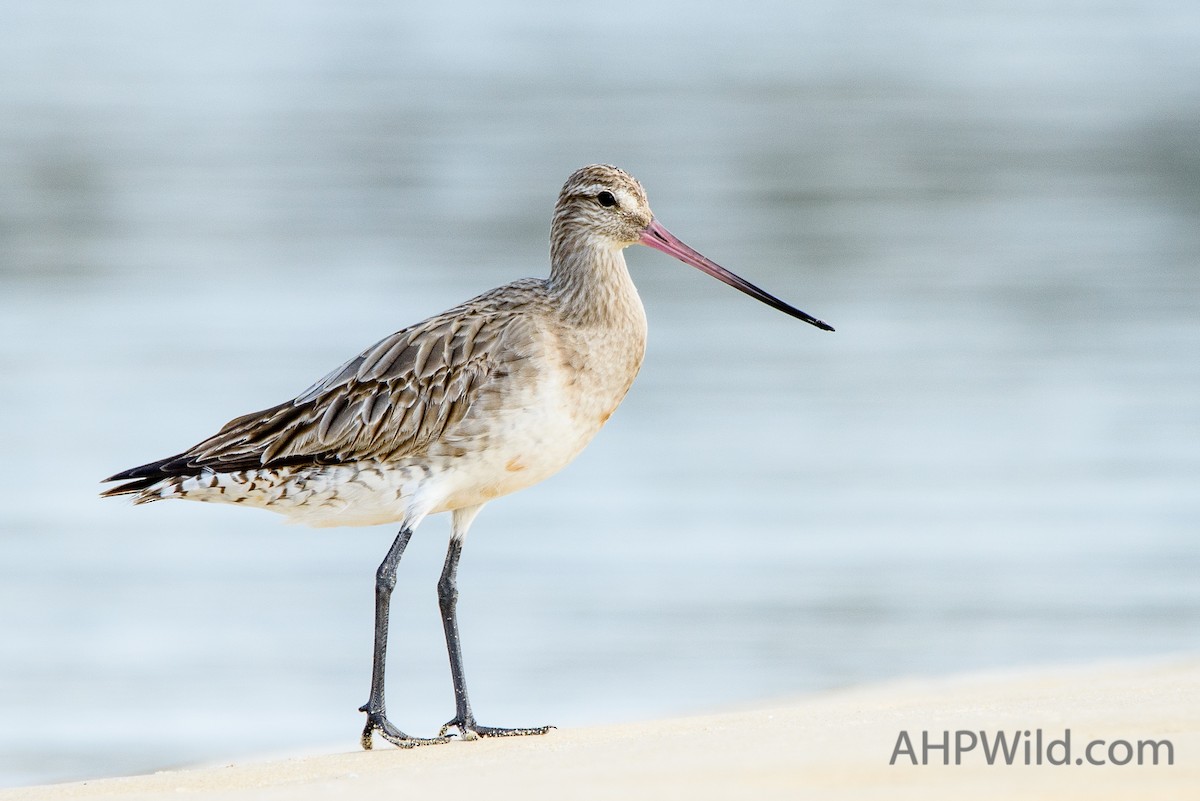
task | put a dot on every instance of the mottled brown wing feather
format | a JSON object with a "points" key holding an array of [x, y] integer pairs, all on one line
{"points": [[392, 400]]}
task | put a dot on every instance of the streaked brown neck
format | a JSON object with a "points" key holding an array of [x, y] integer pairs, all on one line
{"points": [[592, 283]]}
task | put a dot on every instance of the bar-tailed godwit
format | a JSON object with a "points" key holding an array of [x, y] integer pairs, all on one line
{"points": [[480, 401]]}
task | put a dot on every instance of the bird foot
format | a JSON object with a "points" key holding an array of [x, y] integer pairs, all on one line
{"points": [[378, 722], [470, 730]]}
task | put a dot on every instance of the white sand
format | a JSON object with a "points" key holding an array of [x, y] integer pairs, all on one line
{"points": [[836, 745]]}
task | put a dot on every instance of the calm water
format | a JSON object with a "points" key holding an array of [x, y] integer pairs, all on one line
{"points": [[994, 461]]}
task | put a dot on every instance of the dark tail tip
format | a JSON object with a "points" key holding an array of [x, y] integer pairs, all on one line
{"points": [[138, 478]]}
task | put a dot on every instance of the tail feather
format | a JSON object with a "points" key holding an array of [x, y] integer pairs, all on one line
{"points": [[141, 477]]}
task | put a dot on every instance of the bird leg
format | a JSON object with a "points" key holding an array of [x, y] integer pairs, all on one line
{"points": [[464, 719], [385, 582]]}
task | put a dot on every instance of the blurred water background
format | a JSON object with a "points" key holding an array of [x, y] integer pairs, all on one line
{"points": [[993, 462]]}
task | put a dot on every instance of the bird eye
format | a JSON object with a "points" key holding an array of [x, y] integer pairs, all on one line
{"points": [[606, 198]]}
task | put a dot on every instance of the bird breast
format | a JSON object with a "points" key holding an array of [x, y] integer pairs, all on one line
{"points": [[539, 416]]}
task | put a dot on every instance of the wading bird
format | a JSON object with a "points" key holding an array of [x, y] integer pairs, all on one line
{"points": [[482, 400]]}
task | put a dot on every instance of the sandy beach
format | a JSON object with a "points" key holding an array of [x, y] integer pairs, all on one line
{"points": [[833, 745]]}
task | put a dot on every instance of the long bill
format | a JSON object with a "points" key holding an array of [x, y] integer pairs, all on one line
{"points": [[659, 238]]}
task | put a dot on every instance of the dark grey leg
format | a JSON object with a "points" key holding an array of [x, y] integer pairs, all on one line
{"points": [[464, 719], [385, 582]]}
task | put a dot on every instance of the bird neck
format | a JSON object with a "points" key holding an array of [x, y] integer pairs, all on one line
{"points": [[593, 285]]}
